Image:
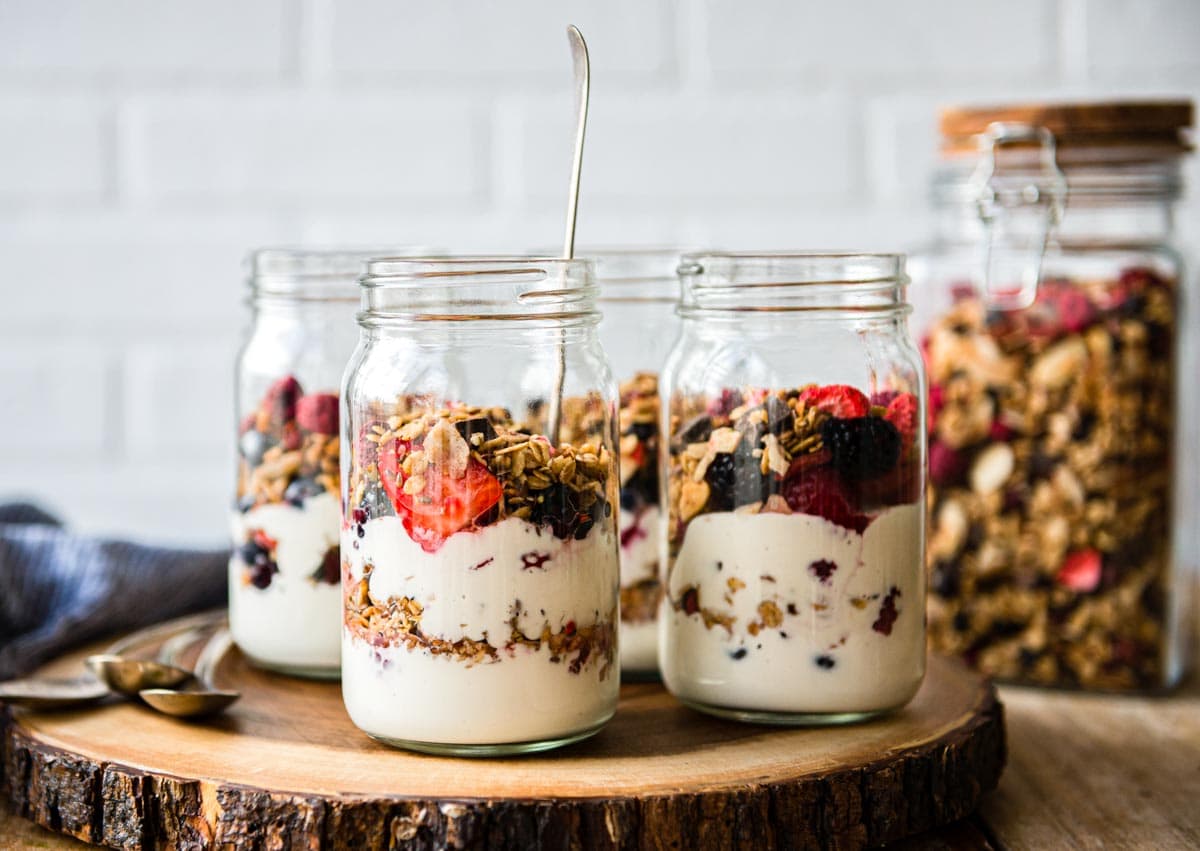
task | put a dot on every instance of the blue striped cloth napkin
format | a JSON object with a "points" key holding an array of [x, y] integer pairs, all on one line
{"points": [[59, 589]]}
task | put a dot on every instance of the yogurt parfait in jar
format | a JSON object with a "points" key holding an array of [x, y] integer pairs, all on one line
{"points": [[794, 590], [479, 561]]}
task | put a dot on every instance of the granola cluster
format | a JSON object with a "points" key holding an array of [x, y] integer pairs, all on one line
{"points": [[638, 445], [287, 453], [1050, 482], [396, 622], [449, 469], [826, 450]]}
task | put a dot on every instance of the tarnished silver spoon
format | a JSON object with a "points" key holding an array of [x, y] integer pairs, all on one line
{"points": [[203, 697], [127, 675], [67, 692]]}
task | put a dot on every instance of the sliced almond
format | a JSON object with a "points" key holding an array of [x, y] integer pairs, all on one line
{"points": [[992, 469]]}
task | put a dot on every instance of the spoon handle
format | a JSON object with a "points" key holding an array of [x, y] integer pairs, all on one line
{"points": [[151, 634]]}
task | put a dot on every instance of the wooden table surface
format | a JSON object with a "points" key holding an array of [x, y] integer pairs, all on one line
{"points": [[1084, 771]]}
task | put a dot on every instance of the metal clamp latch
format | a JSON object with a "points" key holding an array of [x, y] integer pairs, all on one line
{"points": [[1015, 241]]}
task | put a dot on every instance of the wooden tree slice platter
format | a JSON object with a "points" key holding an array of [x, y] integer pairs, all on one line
{"points": [[285, 768]]}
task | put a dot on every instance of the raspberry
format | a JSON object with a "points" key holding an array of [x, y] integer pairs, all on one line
{"points": [[946, 466], [280, 400], [318, 412], [903, 413], [883, 398], [728, 400], [863, 447], [1080, 571], [841, 400], [820, 492]]}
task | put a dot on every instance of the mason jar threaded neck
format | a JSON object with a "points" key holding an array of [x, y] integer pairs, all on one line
{"points": [[312, 274], [769, 282], [463, 289]]}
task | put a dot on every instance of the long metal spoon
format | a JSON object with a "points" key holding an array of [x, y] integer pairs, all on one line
{"points": [[583, 76], [67, 692], [204, 698]]}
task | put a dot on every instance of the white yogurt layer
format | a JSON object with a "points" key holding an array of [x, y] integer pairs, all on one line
{"points": [[639, 562], [294, 622], [472, 587], [832, 653]]}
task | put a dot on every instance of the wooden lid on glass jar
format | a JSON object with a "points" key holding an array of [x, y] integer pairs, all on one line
{"points": [[1159, 127]]}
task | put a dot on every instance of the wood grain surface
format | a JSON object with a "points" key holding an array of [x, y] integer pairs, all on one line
{"points": [[286, 768]]}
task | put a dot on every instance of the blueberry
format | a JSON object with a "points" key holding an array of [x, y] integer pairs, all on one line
{"points": [[825, 662], [862, 447], [301, 489], [252, 445], [630, 500], [740, 653], [248, 552]]}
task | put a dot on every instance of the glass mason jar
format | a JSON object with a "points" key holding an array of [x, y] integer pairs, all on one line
{"points": [[1049, 308], [639, 291], [793, 472], [479, 484], [284, 577]]}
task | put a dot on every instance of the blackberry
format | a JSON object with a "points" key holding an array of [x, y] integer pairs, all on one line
{"points": [[862, 447], [261, 574], [721, 476]]}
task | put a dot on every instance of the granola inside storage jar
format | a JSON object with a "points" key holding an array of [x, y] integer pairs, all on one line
{"points": [[1049, 309], [479, 549], [795, 582]]}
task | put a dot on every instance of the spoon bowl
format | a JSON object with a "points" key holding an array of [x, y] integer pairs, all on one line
{"points": [[188, 703], [131, 676]]}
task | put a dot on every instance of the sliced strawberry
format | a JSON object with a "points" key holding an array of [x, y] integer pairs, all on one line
{"points": [[1080, 571], [820, 491], [388, 461], [264, 541], [840, 400], [447, 504], [904, 413]]}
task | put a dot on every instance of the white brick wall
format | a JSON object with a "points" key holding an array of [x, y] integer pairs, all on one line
{"points": [[146, 145]]}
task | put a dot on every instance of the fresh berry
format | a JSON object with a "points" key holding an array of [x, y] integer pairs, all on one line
{"points": [[280, 400], [1080, 571], [318, 412], [721, 476], [863, 447], [946, 466], [330, 571], [264, 540], [301, 489], [252, 444], [821, 492], [840, 400], [904, 413], [691, 601], [388, 463], [883, 398], [898, 487], [262, 574], [447, 504]]}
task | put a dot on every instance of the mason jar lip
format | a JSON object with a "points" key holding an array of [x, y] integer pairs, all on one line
{"points": [[834, 282], [316, 273], [456, 288], [380, 269], [882, 265]]}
